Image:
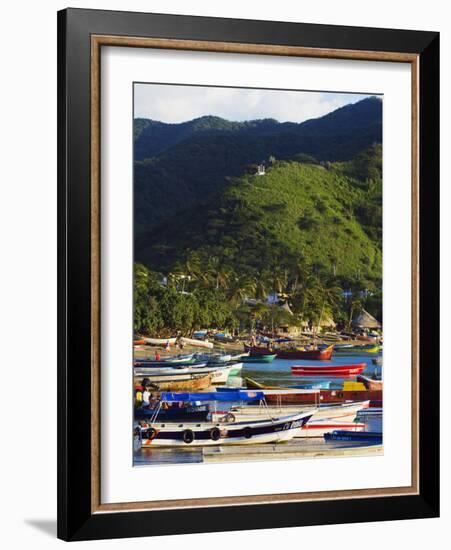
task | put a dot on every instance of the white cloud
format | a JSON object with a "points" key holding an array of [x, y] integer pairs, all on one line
{"points": [[173, 103]]}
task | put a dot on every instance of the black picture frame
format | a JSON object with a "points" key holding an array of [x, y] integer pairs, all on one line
{"points": [[76, 521]]}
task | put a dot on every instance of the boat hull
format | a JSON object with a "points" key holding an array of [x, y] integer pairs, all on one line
{"points": [[317, 428], [340, 412], [312, 355], [285, 396], [328, 370], [191, 383], [238, 433], [370, 438], [358, 350], [259, 358], [370, 384]]}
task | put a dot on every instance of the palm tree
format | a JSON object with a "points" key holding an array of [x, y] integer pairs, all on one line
{"points": [[240, 289], [141, 280], [219, 272], [331, 294], [278, 280], [356, 305], [261, 287]]}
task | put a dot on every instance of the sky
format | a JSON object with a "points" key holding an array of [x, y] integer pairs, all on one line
{"points": [[175, 103]]}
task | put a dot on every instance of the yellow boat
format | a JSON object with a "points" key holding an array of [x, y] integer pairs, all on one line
{"points": [[358, 350]]}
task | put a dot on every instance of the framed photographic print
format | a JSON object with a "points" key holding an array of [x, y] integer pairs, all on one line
{"points": [[248, 274]]}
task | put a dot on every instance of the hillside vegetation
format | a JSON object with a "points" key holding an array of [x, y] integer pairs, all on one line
{"points": [[308, 229], [179, 165]]}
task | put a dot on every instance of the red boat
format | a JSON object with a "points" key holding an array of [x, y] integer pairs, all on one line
{"points": [[312, 355], [328, 370], [285, 397]]}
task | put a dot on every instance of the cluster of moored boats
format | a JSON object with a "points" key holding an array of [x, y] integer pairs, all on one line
{"points": [[192, 406]]}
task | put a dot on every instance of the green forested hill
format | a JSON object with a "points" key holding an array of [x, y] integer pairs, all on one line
{"points": [[296, 212], [182, 165], [308, 229]]}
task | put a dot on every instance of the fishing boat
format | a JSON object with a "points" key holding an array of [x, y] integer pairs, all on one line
{"points": [[166, 362], [190, 382], [338, 412], [235, 368], [172, 371], [365, 414], [318, 385], [160, 341], [317, 428], [248, 432], [139, 342], [196, 343], [259, 358], [219, 373], [287, 395], [312, 355], [328, 370], [346, 410], [172, 341], [185, 413], [370, 383], [371, 438], [258, 351], [217, 358], [358, 350]]}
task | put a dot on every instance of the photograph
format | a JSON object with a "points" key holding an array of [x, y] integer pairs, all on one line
{"points": [[258, 274]]}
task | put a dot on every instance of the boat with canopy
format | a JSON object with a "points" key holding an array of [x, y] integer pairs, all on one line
{"points": [[247, 432]]}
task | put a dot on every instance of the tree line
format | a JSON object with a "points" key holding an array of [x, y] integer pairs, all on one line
{"points": [[207, 293]]}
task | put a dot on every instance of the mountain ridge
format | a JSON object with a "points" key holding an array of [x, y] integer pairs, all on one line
{"points": [[172, 133]]}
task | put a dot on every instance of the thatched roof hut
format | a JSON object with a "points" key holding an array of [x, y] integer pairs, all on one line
{"points": [[327, 321], [365, 320]]}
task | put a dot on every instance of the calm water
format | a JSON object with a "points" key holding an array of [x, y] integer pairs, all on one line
{"points": [[277, 373]]}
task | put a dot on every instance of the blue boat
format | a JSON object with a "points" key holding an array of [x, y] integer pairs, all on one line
{"points": [[322, 385], [371, 438], [232, 395]]}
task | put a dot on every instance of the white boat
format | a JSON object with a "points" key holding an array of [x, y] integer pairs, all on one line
{"points": [[172, 372], [197, 343], [247, 432], [342, 411], [159, 341], [221, 374], [172, 341]]}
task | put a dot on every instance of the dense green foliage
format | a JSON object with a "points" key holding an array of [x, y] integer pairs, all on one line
{"points": [[217, 234], [182, 165]]}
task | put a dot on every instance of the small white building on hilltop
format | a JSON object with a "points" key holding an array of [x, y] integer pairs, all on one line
{"points": [[260, 170]]}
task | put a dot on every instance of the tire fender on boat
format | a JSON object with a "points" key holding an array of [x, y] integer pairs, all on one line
{"points": [[188, 436], [247, 432], [151, 433], [215, 434]]}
